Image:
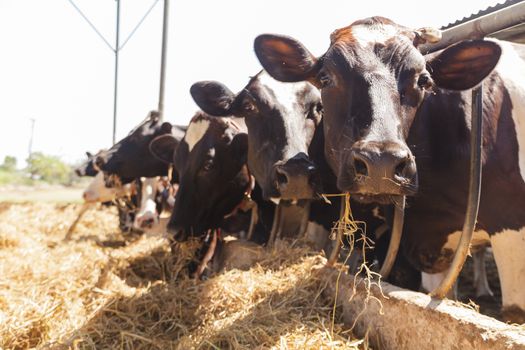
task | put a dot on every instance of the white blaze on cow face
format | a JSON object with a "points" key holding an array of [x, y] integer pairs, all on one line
{"points": [[512, 69], [195, 132], [289, 100], [509, 247], [148, 207], [370, 35]]}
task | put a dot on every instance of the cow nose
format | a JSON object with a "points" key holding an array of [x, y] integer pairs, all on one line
{"points": [[394, 163], [297, 179], [382, 167]]}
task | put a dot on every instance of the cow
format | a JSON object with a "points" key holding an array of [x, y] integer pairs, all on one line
{"points": [[98, 192], [284, 124], [131, 158], [213, 176], [281, 120], [157, 195], [214, 183], [88, 168], [386, 105]]}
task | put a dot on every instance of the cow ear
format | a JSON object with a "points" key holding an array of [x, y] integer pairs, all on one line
{"points": [[162, 147], [239, 146], [285, 58], [464, 65], [213, 97]]}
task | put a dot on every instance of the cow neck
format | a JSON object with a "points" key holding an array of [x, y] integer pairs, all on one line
{"points": [[246, 201]]}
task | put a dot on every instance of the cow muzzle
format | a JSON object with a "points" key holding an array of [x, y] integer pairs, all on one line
{"points": [[378, 169], [298, 178]]}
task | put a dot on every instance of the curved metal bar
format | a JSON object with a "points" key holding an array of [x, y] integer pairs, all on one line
{"points": [[339, 237], [473, 196], [395, 239], [304, 220], [254, 218]]}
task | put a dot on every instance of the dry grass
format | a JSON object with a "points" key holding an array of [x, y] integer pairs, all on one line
{"points": [[104, 291]]}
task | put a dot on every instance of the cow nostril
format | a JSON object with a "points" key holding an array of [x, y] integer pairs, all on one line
{"points": [[281, 177], [399, 171], [360, 167]]}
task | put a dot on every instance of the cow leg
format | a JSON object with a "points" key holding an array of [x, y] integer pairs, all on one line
{"points": [[509, 247], [480, 274], [430, 281]]}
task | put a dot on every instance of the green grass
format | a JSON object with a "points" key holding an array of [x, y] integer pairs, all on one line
{"points": [[14, 177]]}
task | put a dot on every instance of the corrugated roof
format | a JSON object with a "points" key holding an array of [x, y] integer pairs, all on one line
{"points": [[480, 13]]}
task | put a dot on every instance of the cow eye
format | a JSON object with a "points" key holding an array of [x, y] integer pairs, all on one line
{"points": [[249, 106], [315, 112], [324, 80], [425, 81]]}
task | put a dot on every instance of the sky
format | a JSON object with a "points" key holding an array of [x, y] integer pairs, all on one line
{"points": [[56, 70]]}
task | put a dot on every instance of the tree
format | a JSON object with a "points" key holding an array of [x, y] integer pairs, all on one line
{"points": [[9, 164], [48, 168]]}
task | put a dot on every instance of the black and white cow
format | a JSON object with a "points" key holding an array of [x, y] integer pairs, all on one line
{"points": [[281, 120], [379, 119], [213, 176], [88, 168], [130, 158]]}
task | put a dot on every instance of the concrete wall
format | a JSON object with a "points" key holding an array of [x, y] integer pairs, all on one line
{"points": [[411, 320]]}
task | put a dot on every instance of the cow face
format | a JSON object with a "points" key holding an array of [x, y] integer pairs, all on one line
{"points": [[281, 119], [88, 168], [131, 158], [372, 80], [211, 162]]}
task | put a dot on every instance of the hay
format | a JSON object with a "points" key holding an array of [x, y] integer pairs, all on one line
{"points": [[101, 290]]}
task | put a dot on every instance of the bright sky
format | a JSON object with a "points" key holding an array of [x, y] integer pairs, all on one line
{"points": [[55, 69]]}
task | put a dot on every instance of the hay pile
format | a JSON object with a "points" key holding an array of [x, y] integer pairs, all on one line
{"points": [[105, 291]]}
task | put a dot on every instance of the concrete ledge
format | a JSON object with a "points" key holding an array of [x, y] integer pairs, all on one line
{"points": [[412, 320]]}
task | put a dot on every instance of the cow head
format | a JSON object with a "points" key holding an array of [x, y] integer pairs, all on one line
{"points": [[131, 158], [213, 176], [281, 119], [373, 78], [88, 168]]}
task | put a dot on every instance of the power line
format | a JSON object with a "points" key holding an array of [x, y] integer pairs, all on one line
{"points": [[138, 24], [92, 25]]}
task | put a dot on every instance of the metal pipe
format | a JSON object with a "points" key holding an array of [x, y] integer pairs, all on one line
{"points": [[276, 225], [395, 239], [471, 215], [163, 58], [116, 73], [480, 27]]}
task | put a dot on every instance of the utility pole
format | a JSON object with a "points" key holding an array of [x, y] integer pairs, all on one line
{"points": [[117, 43], [163, 58], [30, 150], [119, 47]]}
